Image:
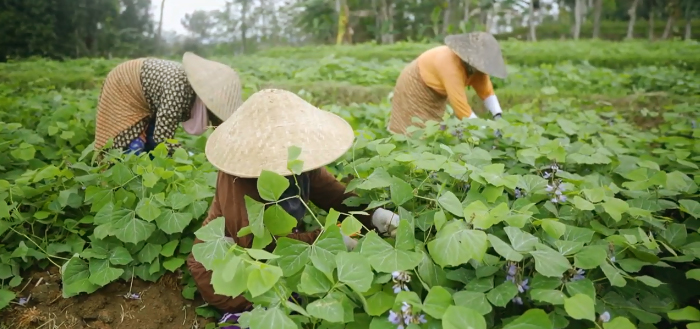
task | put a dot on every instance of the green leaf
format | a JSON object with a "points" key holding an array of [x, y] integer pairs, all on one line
{"points": [[119, 256], [173, 264], [148, 210], [169, 248], [502, 294], [553, 228], [473, 300], [101, 273], [582, 203], [75, 275], [615, 208], [687, 313], [531, 319], [313, 281], [6, 297], [260, 254], [384, 258], [554, 297], [455, 244], [173, 222], [590, 257], [379, 303], [328, 308], [449, 202], [271, 318], [355, 271], [215, 245], [613, 275], [278, 221], [256, 214], [691, 207], [401, 192], [133, 230], [693, 274], [294, 255], [649, 281], [504, 249], [271, 185], [323, 251], [350, 226], [619, 323], [262, 278], [149, 252], [580, 307], [458, 317], [437, 301], [520, 240], [550, 263], [229, 275]]}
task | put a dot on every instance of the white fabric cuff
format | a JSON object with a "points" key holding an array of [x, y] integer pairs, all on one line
{"points": [[473, 115], [491, 104], [381, 218]]}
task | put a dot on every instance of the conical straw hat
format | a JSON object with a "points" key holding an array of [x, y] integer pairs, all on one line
{"points": [[216, 84], [480, 50], [257, 136]]}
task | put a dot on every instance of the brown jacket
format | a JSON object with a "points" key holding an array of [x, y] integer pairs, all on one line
{"points": [[325, 192]]}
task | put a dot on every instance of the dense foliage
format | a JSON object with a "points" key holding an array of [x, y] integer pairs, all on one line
{"points": [[557, 216]]}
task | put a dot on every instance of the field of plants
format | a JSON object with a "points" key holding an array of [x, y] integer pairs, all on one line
{"points": [[580, 209]]}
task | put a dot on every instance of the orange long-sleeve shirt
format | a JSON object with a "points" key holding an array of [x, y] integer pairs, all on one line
{"points": [[442, 70]]}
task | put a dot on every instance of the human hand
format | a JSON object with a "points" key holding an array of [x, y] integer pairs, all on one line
{"points": [[385, 221]]}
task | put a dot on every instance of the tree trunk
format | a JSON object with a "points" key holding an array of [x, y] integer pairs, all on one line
{"points": [[596, 18], [633, 17], [578, 16], [688, 34], [531, 21], [159, 38], [651, 24], [669, 26], [447, 12], [688, 18], [387, 17]]}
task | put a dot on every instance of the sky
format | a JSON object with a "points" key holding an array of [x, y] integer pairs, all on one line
{"points": [[175, 10]]}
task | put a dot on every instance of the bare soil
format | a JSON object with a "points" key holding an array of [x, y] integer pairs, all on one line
{"points": [[160, 305]]}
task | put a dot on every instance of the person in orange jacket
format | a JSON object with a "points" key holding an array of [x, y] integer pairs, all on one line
{"points": [[440, 75]]}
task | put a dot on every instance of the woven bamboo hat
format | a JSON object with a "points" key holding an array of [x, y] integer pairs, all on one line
{"points": [[216, 84], [480, 50], [257, 136]]}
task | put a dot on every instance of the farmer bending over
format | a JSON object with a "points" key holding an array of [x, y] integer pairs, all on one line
{"points": [[441, 74], [143, 100], [255, 138]]}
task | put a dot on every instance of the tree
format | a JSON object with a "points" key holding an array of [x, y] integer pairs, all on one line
{"points": [[633, 17]]}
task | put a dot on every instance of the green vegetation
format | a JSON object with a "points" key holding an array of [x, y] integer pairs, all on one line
{"points": [[596, 170]]}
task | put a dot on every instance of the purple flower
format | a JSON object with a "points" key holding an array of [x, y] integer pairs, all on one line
{"points": [[546, 175], [401, 280], [512, 270], [394, 318], [605, 317], [132, 296], [519, 193], [443, 127], [612, 259], [522, 286], [579, 275], [517, 300], [23, 301]]}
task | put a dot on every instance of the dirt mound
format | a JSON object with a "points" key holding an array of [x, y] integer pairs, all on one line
{"points": [[118, 305]]}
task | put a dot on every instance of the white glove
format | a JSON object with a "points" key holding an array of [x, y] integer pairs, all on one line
{"points": [[491, 104], [385, 221], [350, 243]]}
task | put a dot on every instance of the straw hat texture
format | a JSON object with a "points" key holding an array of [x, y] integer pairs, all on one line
{"points": [[216, 84], [480, 50], [257, 136]]}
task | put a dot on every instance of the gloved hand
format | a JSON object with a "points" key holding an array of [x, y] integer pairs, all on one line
{"points": [[385, 221], [350, 243]]}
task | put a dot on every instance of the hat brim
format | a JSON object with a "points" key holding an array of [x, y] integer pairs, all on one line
{"points": [[259, 134], [216, 84], [480, 50]]}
